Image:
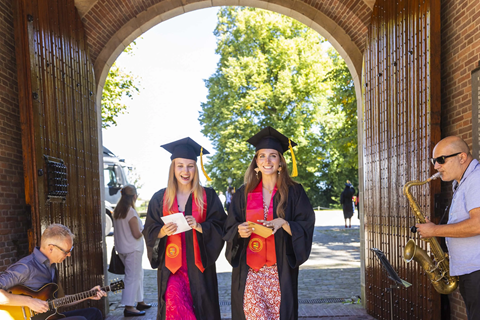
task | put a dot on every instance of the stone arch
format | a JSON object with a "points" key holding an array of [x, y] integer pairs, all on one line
{"points": [[112, 25]]}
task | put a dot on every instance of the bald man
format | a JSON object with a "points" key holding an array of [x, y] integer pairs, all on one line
{"points": [[452, 158]]}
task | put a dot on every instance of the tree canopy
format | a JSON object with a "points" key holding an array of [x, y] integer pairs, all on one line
{"points": [[275, 71], [119, 84]]}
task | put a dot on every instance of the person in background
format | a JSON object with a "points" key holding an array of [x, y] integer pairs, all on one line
{"points": [[222, 198], [229, 195], [356, 202], [452, 158], [40, 268], [265, 270], [347, 203], [128, 240], [186, 277]]}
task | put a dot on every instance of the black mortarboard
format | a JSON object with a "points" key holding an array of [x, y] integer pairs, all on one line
{"points": [[269, 138], [184, 148]]}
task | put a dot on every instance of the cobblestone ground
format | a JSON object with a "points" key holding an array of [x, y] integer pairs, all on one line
{"points": [[331, 274]]}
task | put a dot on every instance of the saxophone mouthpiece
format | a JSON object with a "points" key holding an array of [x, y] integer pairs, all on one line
{"points": [[435, 176]]}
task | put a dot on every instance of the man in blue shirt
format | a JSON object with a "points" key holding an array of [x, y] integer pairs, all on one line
{"points": [[452, 158], [38, 269]]}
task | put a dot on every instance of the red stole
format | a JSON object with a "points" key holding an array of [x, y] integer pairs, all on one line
{"points": [[173, 252], [260, 250]]}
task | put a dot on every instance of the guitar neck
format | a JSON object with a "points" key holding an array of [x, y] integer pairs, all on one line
{"points": [[55, 303]]}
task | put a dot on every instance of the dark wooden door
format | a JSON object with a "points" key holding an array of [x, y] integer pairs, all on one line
{"points": [[60, 133], [401, 91]]}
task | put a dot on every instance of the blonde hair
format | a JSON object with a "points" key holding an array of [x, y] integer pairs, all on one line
{"points": [[172, 188], [283, 182], [126, 202]]}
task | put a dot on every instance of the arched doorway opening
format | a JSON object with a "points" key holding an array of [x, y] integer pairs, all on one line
{"points": [[357, 89]]}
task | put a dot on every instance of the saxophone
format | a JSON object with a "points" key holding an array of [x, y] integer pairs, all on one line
{"points": [[437, 270]]}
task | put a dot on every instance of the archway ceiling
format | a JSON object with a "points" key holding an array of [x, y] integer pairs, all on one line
{"points": [[106, 19]]}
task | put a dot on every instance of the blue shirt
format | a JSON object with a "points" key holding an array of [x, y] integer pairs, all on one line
{"points": [[33, 271], [464, 252]]}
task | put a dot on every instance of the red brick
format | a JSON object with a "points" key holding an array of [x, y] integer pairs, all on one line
{"points": [[11, 179]]}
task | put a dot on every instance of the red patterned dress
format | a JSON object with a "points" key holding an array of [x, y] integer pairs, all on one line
{"points": [[178, 297], [261, 300]]}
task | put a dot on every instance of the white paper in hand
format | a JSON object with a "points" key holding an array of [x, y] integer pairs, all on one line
{"points": [[179, 219]]}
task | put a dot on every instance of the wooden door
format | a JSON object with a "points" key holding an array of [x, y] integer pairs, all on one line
{"points": [[401, 92], [60, 133]]}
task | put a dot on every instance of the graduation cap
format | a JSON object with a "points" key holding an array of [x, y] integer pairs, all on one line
{"points": [[186, 148], [269, 138]]}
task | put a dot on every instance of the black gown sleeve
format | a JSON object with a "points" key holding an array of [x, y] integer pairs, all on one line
{"points": [[210, 239], [153, 225], [302, 225], [236, 215]]}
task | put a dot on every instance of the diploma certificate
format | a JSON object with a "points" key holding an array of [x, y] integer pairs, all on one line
{"points": [[179, 219]]}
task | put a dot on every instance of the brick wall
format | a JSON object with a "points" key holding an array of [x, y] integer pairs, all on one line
{"points": [[106, 17], [14, 215], [460, 55]]}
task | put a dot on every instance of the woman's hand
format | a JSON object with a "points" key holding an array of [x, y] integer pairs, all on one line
{"points": [[192, 222], [168, 229], [275, 224], [244, 230]]}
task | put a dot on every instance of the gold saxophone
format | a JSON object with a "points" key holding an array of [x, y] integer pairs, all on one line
{"points": [[439, 272]]}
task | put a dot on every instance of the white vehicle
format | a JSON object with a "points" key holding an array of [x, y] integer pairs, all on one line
{"points": [[115, 175]]}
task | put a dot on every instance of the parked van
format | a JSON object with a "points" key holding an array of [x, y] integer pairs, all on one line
{"points": [[115, 177]]}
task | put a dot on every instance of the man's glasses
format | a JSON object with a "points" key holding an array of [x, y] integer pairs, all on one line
{"points": [[441, 159], [64, 252]]}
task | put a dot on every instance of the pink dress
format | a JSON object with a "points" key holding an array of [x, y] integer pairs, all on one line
{"points": [[178, 298]]}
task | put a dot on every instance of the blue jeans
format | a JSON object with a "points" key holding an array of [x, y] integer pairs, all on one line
{"points": [[84, 314]]}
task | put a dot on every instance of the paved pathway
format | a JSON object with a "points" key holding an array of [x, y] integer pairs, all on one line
{"points": [[329, 282]]}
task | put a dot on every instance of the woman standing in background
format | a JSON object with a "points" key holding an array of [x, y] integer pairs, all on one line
{"points": [[128, 240]]}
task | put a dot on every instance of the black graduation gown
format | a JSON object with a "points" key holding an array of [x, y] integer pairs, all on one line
{"points": [[346, 201], [291, 251], [203, 286]]}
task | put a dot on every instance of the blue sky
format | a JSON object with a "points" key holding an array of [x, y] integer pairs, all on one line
{"points": [[172, 59]]}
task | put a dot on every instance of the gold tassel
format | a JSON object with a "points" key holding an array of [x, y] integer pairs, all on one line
{"points": [[294, 162], [201, 164]]}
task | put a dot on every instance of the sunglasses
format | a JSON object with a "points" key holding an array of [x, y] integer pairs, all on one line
{"points": [[441, 159], [64, 252]]}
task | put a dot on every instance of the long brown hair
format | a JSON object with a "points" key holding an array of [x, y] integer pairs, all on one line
{"points": [[127, 201], [172, 188], [283, 182]]}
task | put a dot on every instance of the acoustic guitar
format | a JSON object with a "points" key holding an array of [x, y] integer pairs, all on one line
{"points": [[48, 293]]}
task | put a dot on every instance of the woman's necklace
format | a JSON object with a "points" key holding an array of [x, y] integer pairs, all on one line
{"points": [[270, 191]]}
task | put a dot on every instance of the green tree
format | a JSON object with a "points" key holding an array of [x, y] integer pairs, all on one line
{"points": [[272, 71], [119, 84], [339, 128]]}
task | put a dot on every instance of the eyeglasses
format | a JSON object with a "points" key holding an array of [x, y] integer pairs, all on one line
{"points": [[441, 159], [64, 252]]}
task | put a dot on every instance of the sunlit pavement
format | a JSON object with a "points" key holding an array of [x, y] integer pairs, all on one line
{"points": [[329, 282]]}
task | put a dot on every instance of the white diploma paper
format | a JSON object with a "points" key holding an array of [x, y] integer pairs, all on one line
{"points": [[179, 219]]}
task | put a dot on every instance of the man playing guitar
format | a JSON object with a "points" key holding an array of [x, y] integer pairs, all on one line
{"points": [[38, 269]]}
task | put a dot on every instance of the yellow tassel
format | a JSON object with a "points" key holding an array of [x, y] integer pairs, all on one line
{"points": [[294, 162], [201, 164]]}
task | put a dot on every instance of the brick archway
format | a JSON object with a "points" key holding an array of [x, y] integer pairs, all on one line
{"points": [[111, 25]]}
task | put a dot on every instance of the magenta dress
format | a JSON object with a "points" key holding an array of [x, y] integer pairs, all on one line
{"points": [[178, 298]]}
